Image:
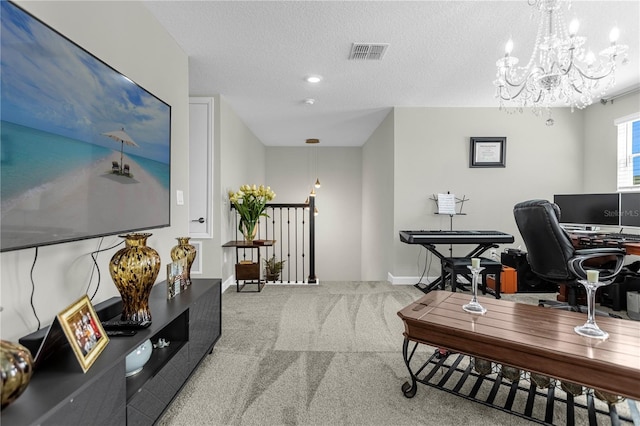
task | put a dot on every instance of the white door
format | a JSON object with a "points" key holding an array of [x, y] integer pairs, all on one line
{"points": [[200, 161]]}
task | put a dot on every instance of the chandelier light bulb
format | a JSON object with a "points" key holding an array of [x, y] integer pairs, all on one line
{"points": [[573, 27], [315, 211], [590, 58], [509, 47], [614, 34], [313, 193], [317, 185]]}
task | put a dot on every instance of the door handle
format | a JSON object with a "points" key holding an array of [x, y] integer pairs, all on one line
{"points": [[200, 220]]}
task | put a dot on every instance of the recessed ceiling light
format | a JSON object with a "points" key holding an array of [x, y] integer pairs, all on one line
{"points": [[314, 79], [309, 101]]}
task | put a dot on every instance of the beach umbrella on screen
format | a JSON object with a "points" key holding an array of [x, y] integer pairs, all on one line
{"points": [[122, 137]]}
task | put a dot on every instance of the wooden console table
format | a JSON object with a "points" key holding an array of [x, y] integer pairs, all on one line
{"points": [[528, 337], [249, 272]]}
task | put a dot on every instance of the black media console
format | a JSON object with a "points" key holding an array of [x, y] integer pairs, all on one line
{"points": [[59, 393]]}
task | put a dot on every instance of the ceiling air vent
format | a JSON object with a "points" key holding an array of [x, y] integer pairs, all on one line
{"points": [[368, 51]]}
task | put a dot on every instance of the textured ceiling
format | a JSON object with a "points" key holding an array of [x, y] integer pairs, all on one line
{"points": [[256, 54]]}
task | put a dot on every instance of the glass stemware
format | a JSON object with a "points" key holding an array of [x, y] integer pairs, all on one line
{"points": [[590, 328], [474, 307]]}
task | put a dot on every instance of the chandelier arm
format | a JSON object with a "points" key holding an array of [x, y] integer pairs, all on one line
{"points": [[596, 78]]}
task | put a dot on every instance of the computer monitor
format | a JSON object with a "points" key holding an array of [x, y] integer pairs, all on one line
{"points": [[630, 209], [588, 209]]}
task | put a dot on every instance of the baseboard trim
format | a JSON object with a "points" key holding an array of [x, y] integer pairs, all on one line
{"points": [[408, 280]]}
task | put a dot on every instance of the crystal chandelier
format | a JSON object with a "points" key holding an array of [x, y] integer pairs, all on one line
{"points": [[560, 69]]}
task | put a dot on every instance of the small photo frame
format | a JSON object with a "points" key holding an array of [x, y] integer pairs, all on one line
{"points": [[176, 278], [84, 331], [487, 152]]}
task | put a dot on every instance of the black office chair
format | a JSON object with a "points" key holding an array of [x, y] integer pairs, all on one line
{"points": [[552, 255]]}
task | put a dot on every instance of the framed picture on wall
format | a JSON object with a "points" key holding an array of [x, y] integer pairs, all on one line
{"points": [[487, 152], [84, 331]]}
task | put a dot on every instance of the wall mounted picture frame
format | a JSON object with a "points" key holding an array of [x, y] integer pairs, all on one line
{"points": [[84, 331], [488, 152]]}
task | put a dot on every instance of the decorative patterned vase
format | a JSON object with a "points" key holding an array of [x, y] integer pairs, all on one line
{"points": [[249, 230], [134, 270], [184, 250], [16, 365]]}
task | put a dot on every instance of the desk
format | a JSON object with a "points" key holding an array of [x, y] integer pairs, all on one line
{"points": [[249, 272], [428, 239], [601, 240], [528, 337]]}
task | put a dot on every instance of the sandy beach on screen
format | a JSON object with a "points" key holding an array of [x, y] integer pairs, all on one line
{"points": [[91, 200]]}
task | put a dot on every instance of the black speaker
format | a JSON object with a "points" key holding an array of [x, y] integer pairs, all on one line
{"points": [[528, 281]]}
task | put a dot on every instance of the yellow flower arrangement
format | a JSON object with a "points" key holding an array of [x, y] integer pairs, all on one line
{"points": [[250, 202]]}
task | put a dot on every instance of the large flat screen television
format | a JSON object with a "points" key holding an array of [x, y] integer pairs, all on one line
{"points": [[630, 209], [588, 209], [85, 151]]}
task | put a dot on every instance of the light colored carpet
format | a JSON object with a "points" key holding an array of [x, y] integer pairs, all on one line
{"points": [[317, 355]]}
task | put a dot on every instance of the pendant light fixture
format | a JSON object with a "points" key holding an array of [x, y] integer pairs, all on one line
{"points": [[314, 142]]}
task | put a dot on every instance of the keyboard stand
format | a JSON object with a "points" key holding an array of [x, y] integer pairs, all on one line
{"points": [[476, 252]]}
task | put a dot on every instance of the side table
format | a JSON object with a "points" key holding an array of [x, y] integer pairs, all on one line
{"points": [[248, 271]]}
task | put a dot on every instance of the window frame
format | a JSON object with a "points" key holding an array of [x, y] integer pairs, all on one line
{"points": [[624, 155]]}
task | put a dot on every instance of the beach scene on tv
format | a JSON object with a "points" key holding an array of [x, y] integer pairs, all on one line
{"points": [[84, 150]]}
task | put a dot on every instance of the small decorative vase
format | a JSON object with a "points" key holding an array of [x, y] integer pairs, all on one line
{"points": [[249, 230], [16, 365], [134, 270], [184, 250]]}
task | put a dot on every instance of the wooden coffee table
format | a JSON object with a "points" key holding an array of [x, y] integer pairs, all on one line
{"points": [[528, 337]]}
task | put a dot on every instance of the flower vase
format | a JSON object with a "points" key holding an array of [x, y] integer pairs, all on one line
{"points": [[249, 230], [185, 250], [134, 270], [16, 363]]}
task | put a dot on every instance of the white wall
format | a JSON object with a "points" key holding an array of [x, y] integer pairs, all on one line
{"points": [[377, 202], [127, 37], [242, 161], [432, 155], [339, 201], [601, 142]]}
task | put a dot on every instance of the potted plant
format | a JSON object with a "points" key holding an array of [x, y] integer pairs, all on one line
{"points": [[272, 268]]}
